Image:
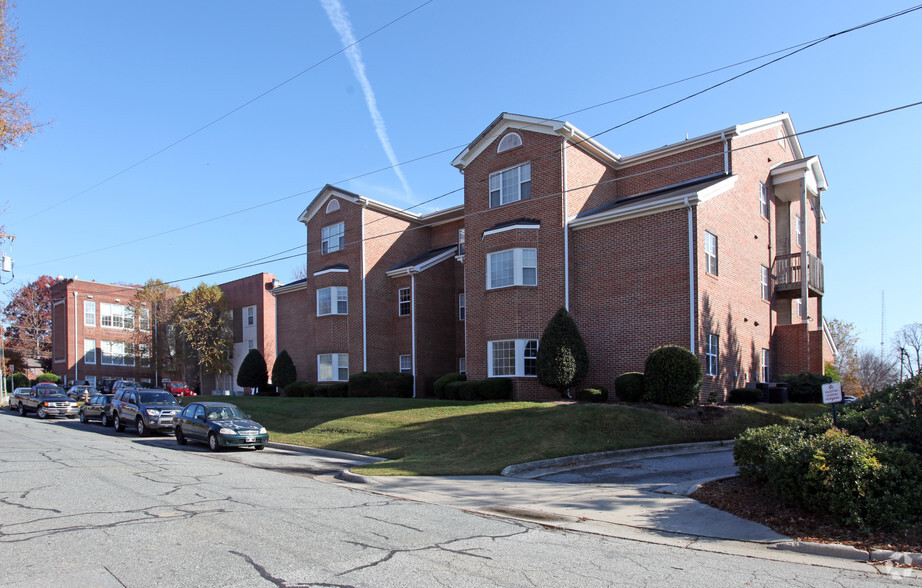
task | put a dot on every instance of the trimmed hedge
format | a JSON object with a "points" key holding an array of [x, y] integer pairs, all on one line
{"points": [[629, 387], [805, 387], [489, 389], [744, 396], [861, 483], [334, 390], [381, 385], [438, 388], [299, 390], [593, 394], [48, 378], [672, 376]]}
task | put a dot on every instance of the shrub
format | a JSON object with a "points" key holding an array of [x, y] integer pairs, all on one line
{"points": [[805, 387], [438, 388], [283, 370], [20, 380], [744, 396], [380, 384], [299, 390], [629, 387], [332, 390], [672, 376], [48, 378], [593, 394], [253, 372], [892, 415], [562, 360], [861, 483], [489, 389]]}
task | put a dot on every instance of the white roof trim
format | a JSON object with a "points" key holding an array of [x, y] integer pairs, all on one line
{"points": [[510, 228], [415, 269], [318, 202], [332, 270], [654, 205], [289, 288]]}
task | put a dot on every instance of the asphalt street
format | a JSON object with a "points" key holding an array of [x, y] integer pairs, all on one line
{"points": [[83, 506]]}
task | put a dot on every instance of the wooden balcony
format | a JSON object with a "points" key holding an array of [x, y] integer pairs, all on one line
{"points": [[789, 275]]}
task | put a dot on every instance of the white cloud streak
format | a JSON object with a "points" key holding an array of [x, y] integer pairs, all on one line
{"points": [[340, 20]]}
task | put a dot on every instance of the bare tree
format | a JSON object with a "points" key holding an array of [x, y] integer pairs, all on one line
{"points": [[16, 122], [875, 372], [28, 314], [907, 343], [843, 333]]}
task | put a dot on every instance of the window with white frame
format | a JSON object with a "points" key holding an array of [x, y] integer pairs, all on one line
{"points": [[333, 300], [763, 200], [250, 314], [798, 231], [512, 267], [461, 239], [711, 354], [510, 141], [510, 185], [144, 355], [799, 307], [144, 319], [116, 353], [406, 364], [333, 367], [404, 302], [89, 351], [89, 313], [116, 316], [710, 253], [462, 309], [332, 238], [766, 284], [764, 371], [462, 365], [515, 357]]}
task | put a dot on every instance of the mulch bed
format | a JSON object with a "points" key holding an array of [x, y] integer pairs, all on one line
{"points": [[758, 503]]}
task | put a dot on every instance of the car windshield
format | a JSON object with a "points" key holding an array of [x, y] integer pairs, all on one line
{"points": [[177, 384], [156, 398], [50, 393], [224, 413]]}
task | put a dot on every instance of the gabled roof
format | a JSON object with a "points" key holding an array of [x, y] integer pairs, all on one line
{"points": [[423, 261], [329, 191], [669, 198]]}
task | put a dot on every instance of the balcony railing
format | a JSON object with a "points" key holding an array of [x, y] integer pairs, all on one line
{"points": [[789, 275]]}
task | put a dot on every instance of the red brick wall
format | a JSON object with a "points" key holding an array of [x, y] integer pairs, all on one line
{"points": [[295, 316], [256, 291], [670, 170]]}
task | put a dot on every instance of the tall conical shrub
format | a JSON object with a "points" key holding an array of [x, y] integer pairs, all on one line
{"points": [[562, 357]]}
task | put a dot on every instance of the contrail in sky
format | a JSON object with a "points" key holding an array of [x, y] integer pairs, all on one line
{"points": [[341, 23]]}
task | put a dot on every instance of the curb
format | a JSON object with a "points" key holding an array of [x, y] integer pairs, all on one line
{"points": [[536, 469], [350, 476], [848, 552], [326, 452]]}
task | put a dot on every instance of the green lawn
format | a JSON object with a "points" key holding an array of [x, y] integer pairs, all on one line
{"points": [[436, 437]]}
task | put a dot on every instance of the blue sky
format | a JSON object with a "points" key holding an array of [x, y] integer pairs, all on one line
{"points": [[120, 81]]}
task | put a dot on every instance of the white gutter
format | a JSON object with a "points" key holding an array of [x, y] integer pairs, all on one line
{"points": [[364, 297], [691, 280], [726, 143], [413, 326]]}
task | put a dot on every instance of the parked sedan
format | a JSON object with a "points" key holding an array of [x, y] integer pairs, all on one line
{"points": [[77, 392], [220, 425], [98, 407]]}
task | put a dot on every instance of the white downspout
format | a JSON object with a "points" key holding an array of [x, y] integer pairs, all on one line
{"points": [[566, 227], [76, 349], [691, 279], [364, 297], [413, 325], [723, 138]]}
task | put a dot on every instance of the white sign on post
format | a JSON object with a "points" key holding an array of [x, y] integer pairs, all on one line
{"points": [[832, 393]]}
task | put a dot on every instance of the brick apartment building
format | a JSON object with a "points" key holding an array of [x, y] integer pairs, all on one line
{"points": [[96, 333], [711, 243]]}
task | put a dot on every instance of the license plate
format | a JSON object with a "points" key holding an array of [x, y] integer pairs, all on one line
{"points": [[251, 439]]}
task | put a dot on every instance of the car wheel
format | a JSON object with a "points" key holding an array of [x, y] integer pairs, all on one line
{"points": [[260, 447], [40, 413], [22, 409], [213, 442], [119, 427], [104, 419], [180, 438], [82, 417], [140, 428]]}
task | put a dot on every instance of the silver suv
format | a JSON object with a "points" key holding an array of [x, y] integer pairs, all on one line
{"points": [[144, 410]]}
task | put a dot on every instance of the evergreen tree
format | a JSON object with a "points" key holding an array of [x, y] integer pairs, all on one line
{"points": [[283, 370], [562, 357], [253, 372]]}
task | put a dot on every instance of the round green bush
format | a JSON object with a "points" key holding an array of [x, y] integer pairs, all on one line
{"points": [[438, 387], [299, 390], [672, 376], [48, 378], [629, 387], [593, 394]]}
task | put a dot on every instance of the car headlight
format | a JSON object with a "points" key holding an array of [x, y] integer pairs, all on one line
{"points": [[226, 431], [152, 412], [262, 430]]}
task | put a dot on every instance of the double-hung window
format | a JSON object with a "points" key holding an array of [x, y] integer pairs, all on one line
{"points": [[766, 284], [512, 267], [462, 307], [333, 367], [798, 231], [404, 302], [406, 364], [144, 319], [510, 185], [765, 358], [711, 353], [89, 351], [515, 357], [333, 300], [332, 238], [89, 313], [710, 253], [763, 200], [116, 316]]}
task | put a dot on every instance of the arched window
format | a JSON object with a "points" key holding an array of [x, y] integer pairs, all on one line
{"points": [[333, 206], [510, 141]]}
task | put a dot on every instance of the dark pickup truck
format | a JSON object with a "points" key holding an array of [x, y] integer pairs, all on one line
{"points": [[44, 401]]}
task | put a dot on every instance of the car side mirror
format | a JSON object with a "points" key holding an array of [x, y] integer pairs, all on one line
{"points": [[201, 417]]}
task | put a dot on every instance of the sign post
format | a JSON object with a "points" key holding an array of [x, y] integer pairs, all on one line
{"points": [[832, 394]]}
